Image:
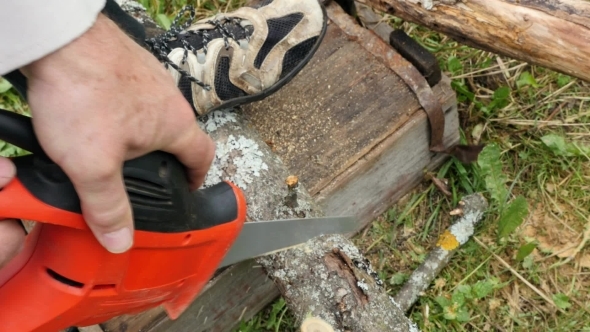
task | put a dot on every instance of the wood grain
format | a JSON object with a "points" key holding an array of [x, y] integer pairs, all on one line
{"points": [[336, 110]]}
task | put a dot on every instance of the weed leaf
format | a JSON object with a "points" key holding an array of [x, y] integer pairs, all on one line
{"points": [[449, 313], [276, 309], [442, 301], [513, 216], [454, 65], [462, 315], [491, 167], [525, 250], [398, 278], [164, 21], [482, 288], [465, 290], [4, 85], [463, 92], [563, 80], [555, 143], [502, 93], [562, 301], [528, 262], [458, 297], [526, 79], [499, 100], [560, 147]]}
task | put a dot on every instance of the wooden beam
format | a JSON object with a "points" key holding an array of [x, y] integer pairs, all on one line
{"points": [[550, 33]]}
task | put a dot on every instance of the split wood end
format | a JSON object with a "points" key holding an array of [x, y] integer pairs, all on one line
{"points": [[315, 324], [93, 328]]}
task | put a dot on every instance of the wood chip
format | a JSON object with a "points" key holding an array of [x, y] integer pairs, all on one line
{"points": [[93, 328], [292, 181], [315, 324]]}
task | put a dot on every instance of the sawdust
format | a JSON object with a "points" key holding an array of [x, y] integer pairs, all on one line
{"points": [[555, 237]]}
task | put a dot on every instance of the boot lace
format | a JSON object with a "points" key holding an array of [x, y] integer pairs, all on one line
{"points": [[178, 31]]}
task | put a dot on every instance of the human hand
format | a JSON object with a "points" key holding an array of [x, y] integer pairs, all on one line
{"points": [[12, 235], [101, 100]]}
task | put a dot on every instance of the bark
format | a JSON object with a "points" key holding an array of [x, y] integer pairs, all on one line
{"points": [[328, 277], [550, 33]]}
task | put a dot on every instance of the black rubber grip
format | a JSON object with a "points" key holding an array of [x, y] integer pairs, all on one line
{"points": [[411, 50], [18, 130], [156, 184]]}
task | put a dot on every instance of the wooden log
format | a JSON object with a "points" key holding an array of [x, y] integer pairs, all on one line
{"points": [[551, 33], [330, 279], [383, 161]]}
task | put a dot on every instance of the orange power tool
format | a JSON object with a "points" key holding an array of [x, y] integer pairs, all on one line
{"points": [[65, 278]]}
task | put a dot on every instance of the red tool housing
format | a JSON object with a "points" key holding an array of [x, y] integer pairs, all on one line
{"points": [[64, 277]]}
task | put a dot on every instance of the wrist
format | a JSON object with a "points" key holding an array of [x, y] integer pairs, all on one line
{"points": [[82, 49]]}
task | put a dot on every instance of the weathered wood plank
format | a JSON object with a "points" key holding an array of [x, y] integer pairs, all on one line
{"points": [[343, 140], [334, 111], [389, 171]]}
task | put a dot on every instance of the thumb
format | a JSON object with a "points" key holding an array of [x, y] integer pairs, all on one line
{"points": [[12, 237], [7, 171], [11, 233], [105, 205]]}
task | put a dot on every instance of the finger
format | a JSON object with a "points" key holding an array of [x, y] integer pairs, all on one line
{"points": [[7, 171], [196, 151], [12, 238], [104, 202]]}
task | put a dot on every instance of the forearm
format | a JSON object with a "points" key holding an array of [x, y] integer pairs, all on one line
{"points": [[32, 29]]}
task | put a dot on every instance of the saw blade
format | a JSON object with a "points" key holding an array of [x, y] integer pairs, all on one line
{"points": [[266, 237]]}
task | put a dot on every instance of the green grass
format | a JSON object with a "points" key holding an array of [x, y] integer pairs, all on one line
{"points": [[535, 123]]}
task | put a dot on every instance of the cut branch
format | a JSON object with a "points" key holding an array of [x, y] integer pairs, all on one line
{"points": [[471, 209], [551, 33], [329, 278]]}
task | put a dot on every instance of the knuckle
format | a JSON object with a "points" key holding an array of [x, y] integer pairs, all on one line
{"points": [[109, 218], [90, 169], [12, 238]]}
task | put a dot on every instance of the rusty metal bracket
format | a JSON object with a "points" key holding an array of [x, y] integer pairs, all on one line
{"points": [[402, 67]]}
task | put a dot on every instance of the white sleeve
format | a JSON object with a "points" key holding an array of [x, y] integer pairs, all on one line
{"points": [[31, 29]]}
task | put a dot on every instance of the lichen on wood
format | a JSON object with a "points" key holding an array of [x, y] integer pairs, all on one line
{"points": [[238, 158], [472, 209], [242, 158], [329, 278]]}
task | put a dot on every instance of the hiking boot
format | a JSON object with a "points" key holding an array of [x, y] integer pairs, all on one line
{"points": [[240, 57]]}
